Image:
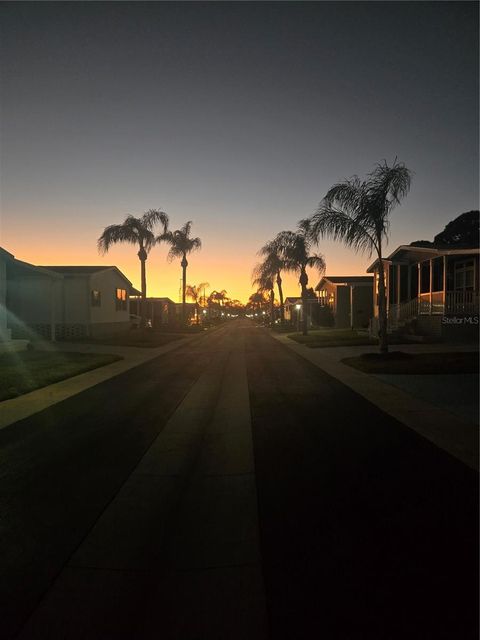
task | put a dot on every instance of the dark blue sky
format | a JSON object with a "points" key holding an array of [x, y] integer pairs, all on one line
{"points": [[237, 115]]}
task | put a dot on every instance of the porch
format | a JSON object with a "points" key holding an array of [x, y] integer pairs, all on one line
{"points": [[429, 285], [439, 303]]}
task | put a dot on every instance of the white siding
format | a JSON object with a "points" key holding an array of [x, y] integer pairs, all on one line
{"points": [[107, 282], [75, 300]]}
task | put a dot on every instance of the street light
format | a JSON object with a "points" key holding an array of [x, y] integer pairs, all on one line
{"points": [[298, 307]]}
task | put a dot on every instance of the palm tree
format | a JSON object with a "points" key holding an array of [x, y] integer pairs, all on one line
{"points": [[181, 244], [140, 232], [272, 254], [195, 293], [263, 278], [256, 301], [216, 300], [295, 249], [357, 213]]}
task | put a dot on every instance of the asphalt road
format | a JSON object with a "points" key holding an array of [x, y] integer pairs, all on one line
{"points": [[366, 530]]}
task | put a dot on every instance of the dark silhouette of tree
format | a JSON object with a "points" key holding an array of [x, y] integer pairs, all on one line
{"points": [[197, 293], [358, 213], [275, 264], [263, 277], [295, 249], [139, 232], [257, 301], [460, 233], [181, 244]]}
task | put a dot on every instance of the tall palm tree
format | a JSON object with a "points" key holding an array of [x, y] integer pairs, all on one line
{"points": [[263, 277], [196, 293], [295, 248], [357, 213], [181, 244], [140, 232], [271, 252]]}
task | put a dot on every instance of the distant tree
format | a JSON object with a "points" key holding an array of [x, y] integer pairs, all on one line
{"points": [[257, 301], [275, 263], [295, 248], [462, 232], [181, 244], [196, 293], [358, 213], [263, 277], [139, 232], [217, 300]]}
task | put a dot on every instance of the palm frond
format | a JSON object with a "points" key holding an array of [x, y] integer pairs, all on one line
{"points": [[316, 261], [116, 233], [187, 227], [153, 217], [180, 242], [393, 183]]}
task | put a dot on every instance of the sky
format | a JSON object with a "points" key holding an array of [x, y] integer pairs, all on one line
{"points": [[237, 116]]}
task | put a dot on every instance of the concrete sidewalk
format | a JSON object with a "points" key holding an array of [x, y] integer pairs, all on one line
{"points": [[445, 429], [26, 405]]}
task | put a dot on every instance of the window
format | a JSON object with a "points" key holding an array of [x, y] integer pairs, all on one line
{"points": [[95, 298], [121, 299], [464, 275]]}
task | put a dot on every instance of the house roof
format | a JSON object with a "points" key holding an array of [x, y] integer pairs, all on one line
{"points": [[412, 254], [292, 299], [82, 270], [78, 269], [345, 280], [136, 293]]}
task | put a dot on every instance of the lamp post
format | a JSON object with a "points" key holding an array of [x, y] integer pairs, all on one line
{"points": [[298, 307]]}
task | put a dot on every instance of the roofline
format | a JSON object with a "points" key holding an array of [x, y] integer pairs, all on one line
{"points": [[436, 251], [86, 273], [42, 270], [7, 254], [346, 282]]}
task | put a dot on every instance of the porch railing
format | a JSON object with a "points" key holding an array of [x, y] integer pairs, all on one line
{"points": [[456, 302], [461, 302]]}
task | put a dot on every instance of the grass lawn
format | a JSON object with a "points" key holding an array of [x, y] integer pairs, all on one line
{"points": [[397, 362], [332, 338], [24, 371]]}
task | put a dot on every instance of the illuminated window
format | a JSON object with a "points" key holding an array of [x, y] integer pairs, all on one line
{"points": [[95, 298], [121, 299]]}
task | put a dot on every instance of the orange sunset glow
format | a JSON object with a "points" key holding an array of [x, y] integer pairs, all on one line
{"points": [[229, 267]]}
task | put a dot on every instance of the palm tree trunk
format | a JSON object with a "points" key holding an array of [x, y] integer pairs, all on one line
{"points": [[303, 283], [382, 309], [142, 255], [272, 307], [280, 295], [184, 286]]}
